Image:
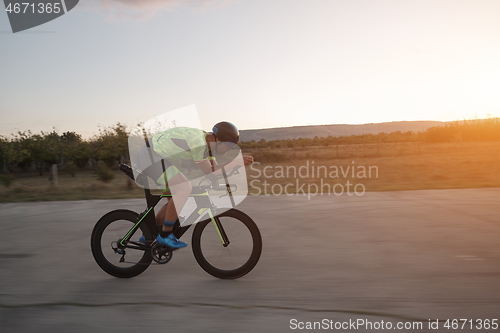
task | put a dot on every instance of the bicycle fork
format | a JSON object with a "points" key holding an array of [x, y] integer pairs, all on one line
{"points": [[218, 226]]}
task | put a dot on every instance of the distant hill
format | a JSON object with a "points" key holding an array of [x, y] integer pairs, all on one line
{"points": [[285, 133]]}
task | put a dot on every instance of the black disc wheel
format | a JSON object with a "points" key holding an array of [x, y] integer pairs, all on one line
{"points": [[243, 245], [115, 259]]}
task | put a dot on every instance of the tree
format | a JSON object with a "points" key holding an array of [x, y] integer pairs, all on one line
{"points": [[14, 153], [111, 146], [75, 150]]}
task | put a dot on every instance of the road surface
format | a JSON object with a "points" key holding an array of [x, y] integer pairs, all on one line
{"points": [[398, 257]]}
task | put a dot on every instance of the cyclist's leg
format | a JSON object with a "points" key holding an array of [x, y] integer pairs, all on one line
{"points": [[160, 215], [181, 189], [168, 214]]}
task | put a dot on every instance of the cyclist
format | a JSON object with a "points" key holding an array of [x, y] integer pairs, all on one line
{"points": [[163, 159]]}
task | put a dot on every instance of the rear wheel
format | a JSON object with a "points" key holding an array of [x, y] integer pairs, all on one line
{"points": [[234, 260], [114, 259]]}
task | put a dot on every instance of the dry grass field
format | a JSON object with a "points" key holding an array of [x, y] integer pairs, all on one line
{"points": [[83, 186], [405, 166]]}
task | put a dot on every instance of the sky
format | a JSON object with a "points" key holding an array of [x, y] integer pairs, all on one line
{"points": [[256, 63]]}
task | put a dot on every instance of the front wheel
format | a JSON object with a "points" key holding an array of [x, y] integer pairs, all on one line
{"points": [[120, 261], [239, 256]]}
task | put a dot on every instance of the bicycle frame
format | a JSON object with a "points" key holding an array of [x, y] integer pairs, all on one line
{"points": [[203, 203]]}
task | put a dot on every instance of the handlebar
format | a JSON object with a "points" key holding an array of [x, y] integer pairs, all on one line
{"points": [[214, 181], [219, 187]]}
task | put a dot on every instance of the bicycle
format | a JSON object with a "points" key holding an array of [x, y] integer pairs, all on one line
{"points": [[229, 250]]}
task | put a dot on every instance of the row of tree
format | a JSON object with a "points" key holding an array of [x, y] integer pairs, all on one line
{"points": [[26, 151], [459, 131], [397, 136]]}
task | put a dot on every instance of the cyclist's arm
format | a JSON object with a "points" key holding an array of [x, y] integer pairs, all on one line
{"points": [[208, 167]]}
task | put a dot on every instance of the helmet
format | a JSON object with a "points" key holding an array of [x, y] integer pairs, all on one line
{"points": [[226, 132]]}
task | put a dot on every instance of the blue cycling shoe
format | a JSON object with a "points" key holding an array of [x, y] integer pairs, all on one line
{"points": [[142, 239], [170, 241]]}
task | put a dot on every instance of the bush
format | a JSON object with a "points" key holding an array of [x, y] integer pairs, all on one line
{"points": [[103, 173], [6, 180], [71, 170]]}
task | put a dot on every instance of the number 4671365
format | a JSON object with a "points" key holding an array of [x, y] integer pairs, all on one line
{"points": [[28, 7], [471, 324]]}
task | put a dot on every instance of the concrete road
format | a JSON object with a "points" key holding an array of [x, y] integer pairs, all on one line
{"points": [[398, 257]]}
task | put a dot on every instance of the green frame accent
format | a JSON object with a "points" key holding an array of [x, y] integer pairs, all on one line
{"points": [[215, 225], [134, 227]]}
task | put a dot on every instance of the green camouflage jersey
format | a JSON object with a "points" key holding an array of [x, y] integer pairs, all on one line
{"points": [[181, 143], [182, 147]]}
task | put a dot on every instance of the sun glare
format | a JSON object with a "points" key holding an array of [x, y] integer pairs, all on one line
{"points": [[484, 83]]}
